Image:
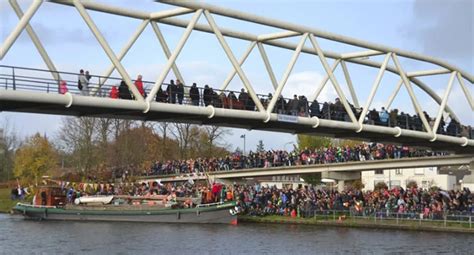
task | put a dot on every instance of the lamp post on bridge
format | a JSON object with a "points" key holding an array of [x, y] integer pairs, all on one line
{"points": [[243, 136], [3, 152]]}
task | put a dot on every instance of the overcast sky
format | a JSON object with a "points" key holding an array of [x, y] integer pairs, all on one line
{"points": [[441, 29]]}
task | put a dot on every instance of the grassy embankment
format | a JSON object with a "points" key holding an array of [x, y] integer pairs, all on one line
{"points": [[401, 224], [6, 203]]}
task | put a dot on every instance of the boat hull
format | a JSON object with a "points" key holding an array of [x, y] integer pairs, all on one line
{"points": [[212, 214]]}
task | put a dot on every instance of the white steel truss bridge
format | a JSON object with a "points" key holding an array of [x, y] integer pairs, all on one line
{"points": [[39, 95]]}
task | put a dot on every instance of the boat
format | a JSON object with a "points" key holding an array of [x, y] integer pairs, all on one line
{"points": [[51, 205]]}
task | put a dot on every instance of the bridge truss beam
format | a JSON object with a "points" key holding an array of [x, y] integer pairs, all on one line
{"points": [[265, 115], [246, 36]]}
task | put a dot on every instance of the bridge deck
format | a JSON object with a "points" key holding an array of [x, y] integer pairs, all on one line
{"points": [[112, 108], [452, 160]]}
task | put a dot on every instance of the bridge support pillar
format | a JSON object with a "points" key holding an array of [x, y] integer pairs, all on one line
{"points": [[341, 177]]}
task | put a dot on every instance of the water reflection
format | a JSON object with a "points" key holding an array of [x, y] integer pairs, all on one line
{"points": [[19, 236]]}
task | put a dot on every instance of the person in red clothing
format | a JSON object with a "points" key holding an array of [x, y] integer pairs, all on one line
{"points": [[114, 93], [139, 85], [63, 87]]}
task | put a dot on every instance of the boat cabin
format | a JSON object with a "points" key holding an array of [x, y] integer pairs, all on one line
{"points": [[50, 196]]}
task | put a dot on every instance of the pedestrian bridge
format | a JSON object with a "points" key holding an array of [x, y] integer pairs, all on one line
{"points": [[346, 167], [32, 93]]}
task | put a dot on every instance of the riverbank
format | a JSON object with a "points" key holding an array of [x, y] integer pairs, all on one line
{"points": [[6, 204], [433, 226]]}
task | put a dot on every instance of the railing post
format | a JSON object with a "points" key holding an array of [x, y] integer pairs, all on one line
{"points": [[47, 89], [329, 111], [13, 75], [445, 220], [334, 215], [397, 218], [470, 221]]}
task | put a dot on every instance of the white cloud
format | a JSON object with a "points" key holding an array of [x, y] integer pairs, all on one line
{"points": [[443, 29], [306, 83]]}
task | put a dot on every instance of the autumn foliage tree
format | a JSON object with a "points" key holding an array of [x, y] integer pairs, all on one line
{"points": [[310, 141], [101, 148], [35, 158]]}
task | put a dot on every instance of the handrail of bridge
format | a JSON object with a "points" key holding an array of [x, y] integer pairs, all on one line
{"points": [[104, 88], [36, 83], [367, 165]]}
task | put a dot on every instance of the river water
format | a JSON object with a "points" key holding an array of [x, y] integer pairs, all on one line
{"points": [[18, 236]]}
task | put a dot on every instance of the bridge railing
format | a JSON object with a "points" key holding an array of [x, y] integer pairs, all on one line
{"points": [[38, 80], [369, 215], [217, 166]]}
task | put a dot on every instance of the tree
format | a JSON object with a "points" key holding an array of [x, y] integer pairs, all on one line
{"points": [[345, 142], [35, 158], [9, 142], [380, 186], [214, 134], [412, 184], [182, 133], [78, 137], [260, 146], [136, 147], [311, 141], [358, 185], [164, 128], [314, 178]]}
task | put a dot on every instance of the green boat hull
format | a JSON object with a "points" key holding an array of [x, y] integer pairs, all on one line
{"points": [[210, 214]]}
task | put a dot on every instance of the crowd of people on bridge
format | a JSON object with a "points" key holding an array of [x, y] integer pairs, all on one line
{"points": [[178, 93], [277, 158]]}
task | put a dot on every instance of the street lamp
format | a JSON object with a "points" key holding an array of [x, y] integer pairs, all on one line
{"points": [[243, 136], [3, 152]]}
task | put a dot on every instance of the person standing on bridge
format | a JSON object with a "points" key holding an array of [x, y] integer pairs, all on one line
{"points": [[139, 85], [243, 98], [384, 117], [194, 94], [88, 78], [114, 93], [83, 83], [124, 92], [63, 87], [171, 90], [179, 91]]}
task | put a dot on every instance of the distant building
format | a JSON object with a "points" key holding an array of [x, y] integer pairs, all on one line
{"points": [[424, 177], [468, 181]]}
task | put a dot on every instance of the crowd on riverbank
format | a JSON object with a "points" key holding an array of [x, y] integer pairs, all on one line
{"points": [[278, 158], [256, 200], [305, 201]]}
